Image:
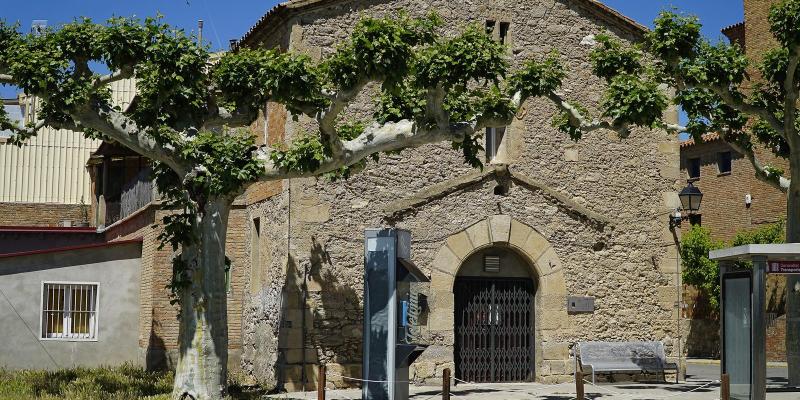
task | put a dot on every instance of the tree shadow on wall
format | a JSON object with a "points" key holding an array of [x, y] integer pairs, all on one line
{"points": [[338, 317], [703, 339], [291, 299]]}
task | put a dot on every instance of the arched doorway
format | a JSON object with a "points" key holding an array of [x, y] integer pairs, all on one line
{"points": [[495, 317], [545, 269]]}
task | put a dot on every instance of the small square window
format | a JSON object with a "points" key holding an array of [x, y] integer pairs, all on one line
{"points": [[490, 27], [494, 137], [695, 219], [693, 168], [724, 162], [69, 311]]}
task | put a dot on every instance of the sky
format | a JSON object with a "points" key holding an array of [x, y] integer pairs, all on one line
{"points": [[230, 19]]}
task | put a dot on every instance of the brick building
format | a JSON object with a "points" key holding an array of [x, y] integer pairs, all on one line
{"points": [[734, 199]]}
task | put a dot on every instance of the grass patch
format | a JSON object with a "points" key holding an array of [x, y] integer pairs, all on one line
{"points": [[118, 383]]}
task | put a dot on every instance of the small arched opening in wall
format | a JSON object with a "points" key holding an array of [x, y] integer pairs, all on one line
{"points": [[536, 271]]}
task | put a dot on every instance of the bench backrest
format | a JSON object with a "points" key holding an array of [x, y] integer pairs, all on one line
{"points": [[646, 355]]}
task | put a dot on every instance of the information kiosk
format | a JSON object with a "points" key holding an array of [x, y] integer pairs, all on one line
{"points": [[743, 312], [391, 314]]}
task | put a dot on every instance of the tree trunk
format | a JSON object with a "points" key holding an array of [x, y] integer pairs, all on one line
{"points": [[201, 373], [793, 297]]}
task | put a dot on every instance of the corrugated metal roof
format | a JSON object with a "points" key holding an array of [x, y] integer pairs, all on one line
{"points": [[51, 167]]}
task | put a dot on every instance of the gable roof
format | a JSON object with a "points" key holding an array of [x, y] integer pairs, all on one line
{"points": [[283, 11]]}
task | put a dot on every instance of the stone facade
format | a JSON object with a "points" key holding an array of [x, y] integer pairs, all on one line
{"points": [[590, 218]]}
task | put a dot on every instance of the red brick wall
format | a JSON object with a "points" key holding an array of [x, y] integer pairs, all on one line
{"points": [[776, 340], [39, 214], [723, 210]]}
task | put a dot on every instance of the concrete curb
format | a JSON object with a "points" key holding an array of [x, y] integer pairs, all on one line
{"points": [[701, 361]]}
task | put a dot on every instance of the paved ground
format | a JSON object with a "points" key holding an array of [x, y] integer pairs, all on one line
{"points": [[698, 386], [776, 376]]}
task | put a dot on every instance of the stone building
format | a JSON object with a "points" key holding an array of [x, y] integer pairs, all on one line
{"points": [[734, 199], [561, 218]]}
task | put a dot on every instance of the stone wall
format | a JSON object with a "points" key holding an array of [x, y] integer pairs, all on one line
{"points": [[39, 214], [600, 205]]}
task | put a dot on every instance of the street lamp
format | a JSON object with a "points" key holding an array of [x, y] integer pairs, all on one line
{"points": [[690, 202]]}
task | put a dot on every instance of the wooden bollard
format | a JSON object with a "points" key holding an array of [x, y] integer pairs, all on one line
{"points": [[579, 392], [446, 384], [321, 383], [725, 387]]}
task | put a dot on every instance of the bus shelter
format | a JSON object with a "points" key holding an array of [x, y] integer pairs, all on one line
{"points": [[743, 312]]}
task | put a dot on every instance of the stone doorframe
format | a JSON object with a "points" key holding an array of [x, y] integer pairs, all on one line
{"points": [[551, 323]]}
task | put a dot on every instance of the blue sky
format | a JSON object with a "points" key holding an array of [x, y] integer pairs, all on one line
{"points": [[230, 19]]}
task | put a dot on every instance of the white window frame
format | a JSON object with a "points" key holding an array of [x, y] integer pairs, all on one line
{"points": [[94, 326]]}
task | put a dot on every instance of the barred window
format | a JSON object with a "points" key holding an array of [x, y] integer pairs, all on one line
{"points": [[69, 311]]}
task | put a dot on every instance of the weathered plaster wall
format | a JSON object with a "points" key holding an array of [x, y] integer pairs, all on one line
{"points": [[116, 270], [627, 263]]}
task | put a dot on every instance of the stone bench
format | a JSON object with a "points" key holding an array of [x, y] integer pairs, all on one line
{"points": [[625, 357]]}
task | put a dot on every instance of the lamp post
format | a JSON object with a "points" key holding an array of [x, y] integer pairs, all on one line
{"points": [[690, 202], [690, 198]]}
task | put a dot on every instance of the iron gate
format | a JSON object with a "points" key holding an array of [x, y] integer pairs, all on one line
{"points": [[494, 330]]}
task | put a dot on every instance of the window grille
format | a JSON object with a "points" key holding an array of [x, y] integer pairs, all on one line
{"points": [[69, 311]]}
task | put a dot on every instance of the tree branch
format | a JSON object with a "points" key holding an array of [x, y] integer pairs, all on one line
{"points": [[113, 77], [327, 118], [28, 131], [763, 173], [791, 92], [434, 106], [578, 120], [376, 138], [220, 116], [739, 104], [124, 130]]}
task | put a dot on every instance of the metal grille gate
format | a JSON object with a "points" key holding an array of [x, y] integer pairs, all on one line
{"points": [[494, 330]]}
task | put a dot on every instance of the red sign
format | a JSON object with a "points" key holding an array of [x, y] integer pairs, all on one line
{"points": [[784, 267]]}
